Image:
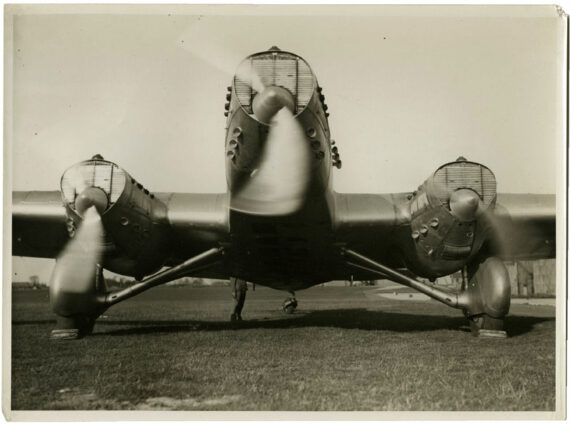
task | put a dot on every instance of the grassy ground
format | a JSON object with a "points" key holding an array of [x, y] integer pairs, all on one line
{"points": [[345, 349]]}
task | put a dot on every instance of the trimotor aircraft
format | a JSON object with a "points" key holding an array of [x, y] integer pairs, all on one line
{"points": [[280, 224]]}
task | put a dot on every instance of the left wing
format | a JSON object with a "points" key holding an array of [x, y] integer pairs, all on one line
{"points": [[524, 227], [433, 236]]}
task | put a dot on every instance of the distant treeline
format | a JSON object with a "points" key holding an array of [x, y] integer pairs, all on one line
{"points": [[121, 282], [528, 279]]}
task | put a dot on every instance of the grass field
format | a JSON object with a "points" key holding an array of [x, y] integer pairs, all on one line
{"points": [[346, 348]]}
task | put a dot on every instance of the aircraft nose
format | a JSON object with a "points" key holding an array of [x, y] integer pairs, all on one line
{"points": [[270, 101], [464, 204]]}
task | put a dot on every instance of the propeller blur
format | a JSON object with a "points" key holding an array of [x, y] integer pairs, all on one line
{"points": [[279, 183], [78, 263]]}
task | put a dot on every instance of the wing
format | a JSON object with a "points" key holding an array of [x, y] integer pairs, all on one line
{"points": [[373, 224], [38, 224], [197, 222], [524, 226], [382, 226]]}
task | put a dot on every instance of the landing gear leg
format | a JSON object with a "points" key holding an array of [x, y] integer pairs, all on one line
{"points": [[290, 304], [70, 323], [489, 290]]}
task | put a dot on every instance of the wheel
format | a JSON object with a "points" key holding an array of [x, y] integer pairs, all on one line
{"points": [[86, 326], [484, 325], [73, 327], [289, 305]]}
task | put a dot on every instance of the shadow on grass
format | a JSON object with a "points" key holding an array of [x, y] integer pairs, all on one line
{"points": [[340, 318], [34, 322]]}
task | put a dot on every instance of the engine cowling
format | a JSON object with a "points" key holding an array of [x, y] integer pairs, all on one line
{"points": [[135, 221], [446, 212]]}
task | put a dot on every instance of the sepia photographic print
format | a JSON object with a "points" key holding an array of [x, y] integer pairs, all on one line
{"points": [[284, 212]]}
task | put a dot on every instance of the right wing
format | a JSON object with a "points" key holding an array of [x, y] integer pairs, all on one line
{"points": [[198, 222], [38, 224]]}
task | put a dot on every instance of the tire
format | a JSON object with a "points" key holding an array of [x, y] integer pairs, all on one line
{"points": [[289, 305], [73, 327], [485, 325]]}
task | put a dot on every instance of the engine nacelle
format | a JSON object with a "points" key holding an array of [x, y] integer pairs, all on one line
{"points": [[445, 211], [137, 231]]}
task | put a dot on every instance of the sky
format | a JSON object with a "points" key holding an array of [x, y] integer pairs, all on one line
{"points": [[408, 89]]}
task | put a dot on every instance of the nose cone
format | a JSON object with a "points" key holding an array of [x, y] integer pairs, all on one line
{"points": [[91, 196], [464, 204], [270, 101]]}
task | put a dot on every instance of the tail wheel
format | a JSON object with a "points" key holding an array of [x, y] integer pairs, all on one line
{"points": [[290, 305]]}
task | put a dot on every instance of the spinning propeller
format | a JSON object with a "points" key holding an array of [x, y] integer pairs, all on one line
{"points": [[468, 206], [279, 183], [76, 266]]}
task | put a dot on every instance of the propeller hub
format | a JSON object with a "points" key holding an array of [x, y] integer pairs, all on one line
{"points": [[91, 196], [270, 101], [464, 204]]}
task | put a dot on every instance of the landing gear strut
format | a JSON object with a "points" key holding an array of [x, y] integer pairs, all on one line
{"points": [[76, 314], [290, 304], [77, 304], [485, 301], [489, 291]]}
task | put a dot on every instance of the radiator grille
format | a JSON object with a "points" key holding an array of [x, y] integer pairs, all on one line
{"points": [[93, 173], [470, 175], [275, 68]]}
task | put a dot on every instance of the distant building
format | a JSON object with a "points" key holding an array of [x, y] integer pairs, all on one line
{"points": [[528, 278], [532, 278], [34, 283]]}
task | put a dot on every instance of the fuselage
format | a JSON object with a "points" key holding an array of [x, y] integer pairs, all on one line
{"points": [[293, 248]]}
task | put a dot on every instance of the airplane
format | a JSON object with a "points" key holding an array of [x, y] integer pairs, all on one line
{"points": [[280, 223]]}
